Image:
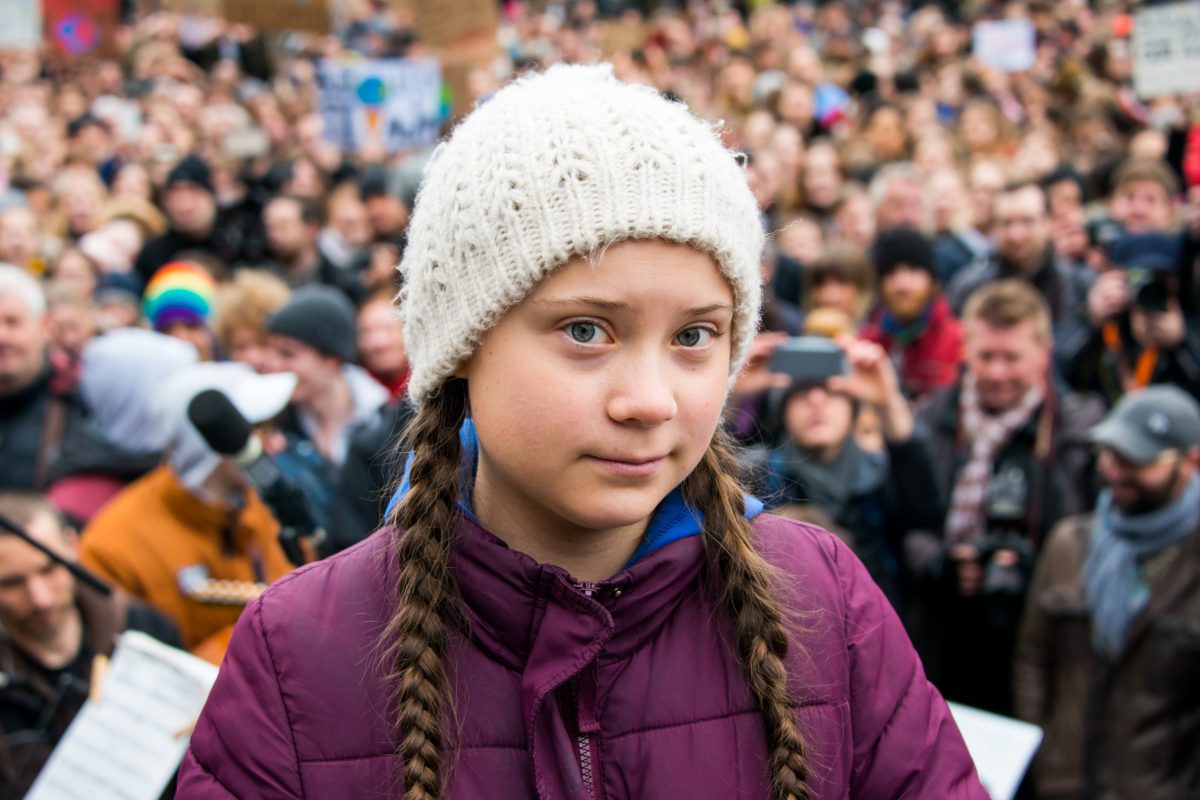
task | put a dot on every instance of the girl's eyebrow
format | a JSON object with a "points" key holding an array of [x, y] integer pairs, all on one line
{"points": [[619, 305]]}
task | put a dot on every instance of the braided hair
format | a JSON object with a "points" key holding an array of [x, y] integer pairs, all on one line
{"points": [[415, 638]]}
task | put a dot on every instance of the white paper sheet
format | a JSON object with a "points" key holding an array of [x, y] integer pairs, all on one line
{"points": [[1001, 747], [128, 745]]}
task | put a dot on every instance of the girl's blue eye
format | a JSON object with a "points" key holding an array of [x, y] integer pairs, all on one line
{"points": [[584, 332], [695, 337]]}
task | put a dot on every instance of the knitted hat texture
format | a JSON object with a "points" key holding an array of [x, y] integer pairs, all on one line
{"points": [[553, 166], [320, 317], [178, 292]]}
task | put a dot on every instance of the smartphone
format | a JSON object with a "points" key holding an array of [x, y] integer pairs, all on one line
{"points": [[809, 359]]}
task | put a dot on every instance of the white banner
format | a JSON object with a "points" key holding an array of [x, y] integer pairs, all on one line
{"points": [[394, 102], [1166, 49]]}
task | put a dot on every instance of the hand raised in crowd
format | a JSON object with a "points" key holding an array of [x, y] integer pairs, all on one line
{"points": [[756, 376], [1108, 297], [871, 379]]}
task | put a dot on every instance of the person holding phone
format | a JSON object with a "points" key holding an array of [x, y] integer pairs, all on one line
{"points": [[875, 496]]}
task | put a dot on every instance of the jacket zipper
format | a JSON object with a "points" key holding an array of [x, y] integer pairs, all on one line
{"points": [[583, 740]]}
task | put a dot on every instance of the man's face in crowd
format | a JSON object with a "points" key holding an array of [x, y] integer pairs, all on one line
{"points": [[381, 339], [287, 232], [349, 218], [191, 209], [1143, 207], [36, 593], [818, 420], [314, 370], [387, 214], [22, 343], [903, 205], [1006, 362], [1022, 227], [906, 291], [1143, 488]]}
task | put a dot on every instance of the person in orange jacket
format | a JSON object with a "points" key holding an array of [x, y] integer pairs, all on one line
{"points": [[192, 537]]}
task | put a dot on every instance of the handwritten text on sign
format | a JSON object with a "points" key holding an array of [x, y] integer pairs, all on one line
{"points": [[1166, 49], [396, 103]]}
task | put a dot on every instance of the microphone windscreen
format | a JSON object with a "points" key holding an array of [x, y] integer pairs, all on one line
{"points": [[217, 419]]}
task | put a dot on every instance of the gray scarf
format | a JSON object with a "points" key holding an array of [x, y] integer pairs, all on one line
{"points": [[1116, 592]]}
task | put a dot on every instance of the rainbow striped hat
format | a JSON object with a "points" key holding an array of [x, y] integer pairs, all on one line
{"points": [[179, 292]]}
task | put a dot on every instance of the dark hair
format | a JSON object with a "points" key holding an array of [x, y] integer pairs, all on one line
{"points": [[414, 640]]}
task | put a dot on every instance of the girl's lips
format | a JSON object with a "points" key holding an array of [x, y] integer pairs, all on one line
{"points": [[629, 468]]}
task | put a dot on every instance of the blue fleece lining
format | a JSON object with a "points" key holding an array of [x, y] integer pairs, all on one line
{"points": [[672, 520]]}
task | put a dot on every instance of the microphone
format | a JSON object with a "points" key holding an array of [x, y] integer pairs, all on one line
{"points": [[230, 434]]}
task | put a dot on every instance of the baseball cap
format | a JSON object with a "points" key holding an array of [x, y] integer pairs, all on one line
{"points": [[1145, 423]]}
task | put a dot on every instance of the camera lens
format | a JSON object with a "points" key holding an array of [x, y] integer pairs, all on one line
{"points": [[1152, 296]]}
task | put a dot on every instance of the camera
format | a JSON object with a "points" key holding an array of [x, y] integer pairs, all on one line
{"points": [[1150, 289]]}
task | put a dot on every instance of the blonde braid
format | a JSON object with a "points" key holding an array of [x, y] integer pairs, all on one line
{"points": [[759, 631], [415, 637]]}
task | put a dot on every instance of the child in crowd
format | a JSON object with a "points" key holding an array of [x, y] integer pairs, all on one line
{"points": [[580, 602]]}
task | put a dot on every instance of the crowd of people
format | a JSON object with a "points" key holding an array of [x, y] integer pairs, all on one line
{"points": [[1005, 260]]}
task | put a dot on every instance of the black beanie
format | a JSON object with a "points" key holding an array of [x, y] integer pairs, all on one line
{"points": [[320, 317], [902, 245], [192, 169]]}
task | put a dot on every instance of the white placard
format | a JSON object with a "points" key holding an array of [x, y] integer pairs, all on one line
{"points": [[1166, 49], [129, 744], [394, 102], [1008, 45], [20, 24], [1000, 746]]}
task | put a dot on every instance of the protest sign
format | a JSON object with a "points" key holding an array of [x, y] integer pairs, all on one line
{"points": [[279, 15], [20, 24], [79, 28], [442, 23], [396, 103], [1008, 45], [1166, 49], [126, 743]]}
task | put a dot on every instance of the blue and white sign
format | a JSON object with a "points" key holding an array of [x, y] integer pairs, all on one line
{"points": [[396, 103]]}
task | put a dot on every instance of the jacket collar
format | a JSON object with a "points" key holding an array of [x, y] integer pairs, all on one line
{"points": [[514, 606]]}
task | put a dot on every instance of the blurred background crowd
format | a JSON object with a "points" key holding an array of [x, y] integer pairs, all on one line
{"points": [[1006, 259]]}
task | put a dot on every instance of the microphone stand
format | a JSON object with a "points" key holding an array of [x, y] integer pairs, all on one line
{"points": [[79, 572]]}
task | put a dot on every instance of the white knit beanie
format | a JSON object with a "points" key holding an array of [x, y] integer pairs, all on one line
{"points": [[558, 165]]}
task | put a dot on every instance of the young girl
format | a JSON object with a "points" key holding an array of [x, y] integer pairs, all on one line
{"points": [[581, 603]]}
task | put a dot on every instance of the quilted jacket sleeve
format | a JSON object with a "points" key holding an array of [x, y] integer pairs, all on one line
{"points": [[906, 744], [243, 744]]}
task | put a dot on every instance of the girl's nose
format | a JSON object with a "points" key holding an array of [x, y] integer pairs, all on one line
{"points": [[642, 395]]}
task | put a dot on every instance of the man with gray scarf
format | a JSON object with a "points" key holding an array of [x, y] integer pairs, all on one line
{"points": [[1109, 648]]}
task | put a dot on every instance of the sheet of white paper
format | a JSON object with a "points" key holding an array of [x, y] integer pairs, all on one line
{"points": [[1002, 747], [127, 746]]}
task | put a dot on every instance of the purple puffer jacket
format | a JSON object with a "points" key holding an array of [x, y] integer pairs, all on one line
{"points": [[626, 689]]}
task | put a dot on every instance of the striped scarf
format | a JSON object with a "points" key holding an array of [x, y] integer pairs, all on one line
{"points": [[988, 433]]}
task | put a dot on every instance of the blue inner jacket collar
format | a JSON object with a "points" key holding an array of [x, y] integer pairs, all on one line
{"points": [[672, 520]]}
